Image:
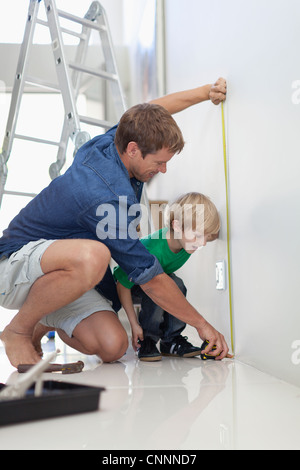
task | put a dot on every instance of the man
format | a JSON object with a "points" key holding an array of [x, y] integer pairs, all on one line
{"points": [[57, 249]]}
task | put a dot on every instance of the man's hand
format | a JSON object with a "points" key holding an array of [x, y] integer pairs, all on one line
{"points": [[165, 293], [207, 332], [218, 91], [176, 102]]}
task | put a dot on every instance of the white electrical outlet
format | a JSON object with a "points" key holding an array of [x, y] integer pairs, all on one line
{"points": [[221, 275]]}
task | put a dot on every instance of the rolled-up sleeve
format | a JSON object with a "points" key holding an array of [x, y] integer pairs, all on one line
{"points": [[149, 273]]}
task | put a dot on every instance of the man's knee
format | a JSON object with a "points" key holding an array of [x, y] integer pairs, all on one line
{"points": [[110, 347], [86, 260], [91, 262], [114, 349], [103, 335]]}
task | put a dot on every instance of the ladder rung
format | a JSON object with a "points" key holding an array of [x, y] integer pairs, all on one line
{"points": [[35, 139], [97, 73], [74, 33], [63, 30], [96, 122], [18, 193], [42, 22], [82, 21], [42, 83]]}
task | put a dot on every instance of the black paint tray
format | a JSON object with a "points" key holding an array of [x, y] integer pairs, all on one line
{"points": [[57, 399]]}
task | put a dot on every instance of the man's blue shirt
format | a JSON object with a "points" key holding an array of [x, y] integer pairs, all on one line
{"points": [[90, 201]]}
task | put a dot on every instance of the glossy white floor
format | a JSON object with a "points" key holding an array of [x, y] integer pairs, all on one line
{"points": [[177, 404]]}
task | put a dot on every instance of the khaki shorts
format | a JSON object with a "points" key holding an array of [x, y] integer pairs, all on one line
{"points": [[22, 269]]}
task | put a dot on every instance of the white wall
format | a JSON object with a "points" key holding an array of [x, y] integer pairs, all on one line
{"points": [[254, 45]]}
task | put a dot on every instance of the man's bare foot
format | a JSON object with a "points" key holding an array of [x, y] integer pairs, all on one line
{"points": [[19, 348], [39, 332]]}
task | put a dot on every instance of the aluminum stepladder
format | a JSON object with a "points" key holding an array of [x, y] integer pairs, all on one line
{"points": [[69, 80], [69, 77]]}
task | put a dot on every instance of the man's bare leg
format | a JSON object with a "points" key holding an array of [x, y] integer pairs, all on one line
{"points": [[71, 268], [101, 334]]}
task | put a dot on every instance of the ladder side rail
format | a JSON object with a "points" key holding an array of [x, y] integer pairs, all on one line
{"points": [[20, 79], [111, 63], [17, 92], [3, 177], [79, 59], [63, 76], [88, 22], [56, 167]]}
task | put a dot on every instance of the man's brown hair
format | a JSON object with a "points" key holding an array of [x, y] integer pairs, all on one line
{"points": [[151, 127]]}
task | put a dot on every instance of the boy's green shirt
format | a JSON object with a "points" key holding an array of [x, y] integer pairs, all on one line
{"points": [[157, 244]]}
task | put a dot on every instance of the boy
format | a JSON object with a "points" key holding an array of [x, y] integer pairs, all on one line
{"points": [[192, 221]]}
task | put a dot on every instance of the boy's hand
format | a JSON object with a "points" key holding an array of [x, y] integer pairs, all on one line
{"points": [[218, 91], [137, 335]]}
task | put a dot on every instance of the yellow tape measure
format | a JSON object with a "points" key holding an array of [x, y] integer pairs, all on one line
{"points": [[228, 226]]}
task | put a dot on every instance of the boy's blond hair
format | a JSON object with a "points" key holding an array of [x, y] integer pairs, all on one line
{"points": [[194, 211]]}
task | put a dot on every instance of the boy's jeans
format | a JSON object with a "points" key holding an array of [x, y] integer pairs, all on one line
{"points": [[156, 322]]}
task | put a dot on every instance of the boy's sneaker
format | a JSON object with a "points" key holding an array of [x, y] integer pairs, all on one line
{"points": [[148, 351], [179, 347]]}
